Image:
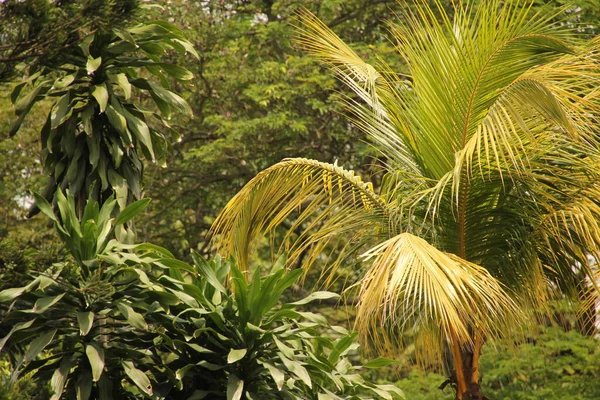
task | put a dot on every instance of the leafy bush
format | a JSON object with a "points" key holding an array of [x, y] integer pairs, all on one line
{"points": [[553, 365], [233, 339], [127, 321], [82, 320]]}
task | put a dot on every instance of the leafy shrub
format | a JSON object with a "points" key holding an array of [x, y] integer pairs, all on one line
{"points": [[233, 339], [553, 365], [126, 321], [81, 321]]}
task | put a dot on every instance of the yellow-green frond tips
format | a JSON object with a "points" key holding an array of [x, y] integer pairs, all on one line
{"points": [[416, 290], [322, 201]]}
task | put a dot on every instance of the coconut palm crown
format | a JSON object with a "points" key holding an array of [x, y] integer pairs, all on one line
{"points": [[490, 192]]}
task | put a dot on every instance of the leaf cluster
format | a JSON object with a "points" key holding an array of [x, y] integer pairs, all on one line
{"points": [[95, 130]]}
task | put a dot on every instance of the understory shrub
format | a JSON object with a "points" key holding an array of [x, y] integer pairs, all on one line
{"points": [[124, 321]]}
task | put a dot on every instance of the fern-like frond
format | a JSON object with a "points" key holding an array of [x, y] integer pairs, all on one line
{"points": [[322, 203]]}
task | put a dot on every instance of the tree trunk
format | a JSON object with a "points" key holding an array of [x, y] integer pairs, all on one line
{"points": [[466, 365]]}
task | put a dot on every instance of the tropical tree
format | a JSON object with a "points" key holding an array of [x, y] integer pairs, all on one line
{"points": [[97, 132], [489, 197]]}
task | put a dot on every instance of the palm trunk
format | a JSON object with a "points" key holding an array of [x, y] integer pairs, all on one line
{"points": [[466, 362]]}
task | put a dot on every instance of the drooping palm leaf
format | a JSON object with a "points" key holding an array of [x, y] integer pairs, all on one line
{"points": [[413, 286], [326, 200]]}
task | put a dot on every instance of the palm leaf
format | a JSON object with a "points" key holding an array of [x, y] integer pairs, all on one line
{"points": [[325, 200], [412, 286]]}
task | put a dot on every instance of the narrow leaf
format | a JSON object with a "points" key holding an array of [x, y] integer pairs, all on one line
{"points": [[380, 362], [38, 345], [316, 296], [45, 303], [95, 354], [85, 320], [235, 388], [138, 377], [101, 95], [134, 318], [131, 211]]}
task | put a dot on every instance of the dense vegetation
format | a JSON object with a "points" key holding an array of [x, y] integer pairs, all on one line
{"points": [[475, 128]]}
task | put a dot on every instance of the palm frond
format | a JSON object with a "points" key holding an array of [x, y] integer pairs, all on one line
{"points": [[412, 286], [325, 201]]}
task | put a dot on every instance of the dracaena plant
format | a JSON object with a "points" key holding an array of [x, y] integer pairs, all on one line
{"points": [[490, 157], [234, 339], [81, 324], [97, 130]]}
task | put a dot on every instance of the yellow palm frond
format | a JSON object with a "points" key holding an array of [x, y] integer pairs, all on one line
{"points": [[412, 286], [326, 201]]}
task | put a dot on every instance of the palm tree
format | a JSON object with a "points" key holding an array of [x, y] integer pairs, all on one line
{"points": [[490, 191]]}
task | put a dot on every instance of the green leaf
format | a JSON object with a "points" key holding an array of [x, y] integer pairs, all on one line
{"points": [[235, 387], [38, 345], [138, 377], [186, 46], [11, 294], [118, 121], [207, 272], [84, 385], [95, 355], [63, 82], [177, 264], [17, 327], [60, 110], [236, 355], [26, 102], [134, 318], [101, 95], [131, 211], [139, 129], [124, 84], [44, 206], [42, 304], [93, 64], [298, 369], [316, 296], [177, 72], [59, 377], [172, 99], [277, 375], [380, 362], [85, 320], [86, 118]]}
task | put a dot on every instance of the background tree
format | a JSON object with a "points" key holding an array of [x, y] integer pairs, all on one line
{"points": [[42, 33], [490, 155], [256, 99]]}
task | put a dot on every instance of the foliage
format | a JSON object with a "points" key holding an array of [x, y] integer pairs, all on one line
{"points": [[257, 98], [42, 33], [95, 135], [552, 365], [82, 319], [109, 324], [490, 161], [419, 385], [235, 340]]}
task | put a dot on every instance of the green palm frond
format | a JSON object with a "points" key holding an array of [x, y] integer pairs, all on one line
{"points": [[326, 201], [412, 286]]}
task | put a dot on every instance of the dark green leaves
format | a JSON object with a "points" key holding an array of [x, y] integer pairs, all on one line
{"points": [[95, 96]]}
